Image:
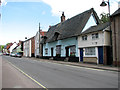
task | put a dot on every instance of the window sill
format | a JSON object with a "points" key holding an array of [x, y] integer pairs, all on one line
{"points": [[90, 56]]}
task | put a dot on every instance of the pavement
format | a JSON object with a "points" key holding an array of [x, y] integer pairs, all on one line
{"points": [[12, 78], [0, 73], [81, 64]]}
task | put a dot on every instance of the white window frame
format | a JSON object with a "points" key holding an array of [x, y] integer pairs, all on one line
{"points": [[95, 36], [73, 50], [84, 38], [58, 49], [46, 51], [91, 54]]}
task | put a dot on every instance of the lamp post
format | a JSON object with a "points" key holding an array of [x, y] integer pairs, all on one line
{"points": [[104, 3], [39, 40]]}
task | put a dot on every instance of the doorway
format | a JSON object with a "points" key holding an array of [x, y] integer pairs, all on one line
{"points": [[67, 51], [100, 55], [51, 52], [81, 54]]}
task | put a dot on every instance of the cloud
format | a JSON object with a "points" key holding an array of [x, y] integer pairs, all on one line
{"points": [[73, 7], [4, 2], [23, 0]]}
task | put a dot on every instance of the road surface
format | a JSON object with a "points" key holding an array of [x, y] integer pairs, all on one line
{"points": [[53, 75]]}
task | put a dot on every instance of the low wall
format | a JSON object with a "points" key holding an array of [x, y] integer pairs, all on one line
{"points": [[90, 59]]}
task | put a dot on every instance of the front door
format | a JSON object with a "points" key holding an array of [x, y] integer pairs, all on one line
{"points": [[67, 51], [81, 54], [100, 55], [51, 52]]}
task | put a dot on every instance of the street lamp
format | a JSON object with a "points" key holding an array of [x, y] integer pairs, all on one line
{"points": [[39, 41], [104, 3]]}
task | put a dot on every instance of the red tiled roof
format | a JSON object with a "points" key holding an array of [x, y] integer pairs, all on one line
{"points": [[43, 33], [9, 45]]}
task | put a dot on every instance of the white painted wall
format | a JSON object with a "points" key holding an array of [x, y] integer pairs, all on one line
{"points": [[103, 40], [27, 48], [30, 46], [37, 44]]}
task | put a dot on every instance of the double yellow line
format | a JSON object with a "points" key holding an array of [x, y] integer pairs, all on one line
{"points": [[28, 76]]}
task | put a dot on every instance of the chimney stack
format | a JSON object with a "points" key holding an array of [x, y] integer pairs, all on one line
{"points": [[62, 17]]}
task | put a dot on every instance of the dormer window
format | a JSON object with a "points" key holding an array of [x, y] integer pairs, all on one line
{"points": [[56, 35]]}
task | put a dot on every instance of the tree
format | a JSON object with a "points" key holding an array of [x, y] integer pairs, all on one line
{"points": [[104, 17], [1, 47]]}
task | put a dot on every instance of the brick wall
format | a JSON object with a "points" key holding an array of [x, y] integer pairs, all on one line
{"points": [[33, 46]]}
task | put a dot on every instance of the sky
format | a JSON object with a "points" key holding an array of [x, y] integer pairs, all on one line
{"points": [[21, 18]]}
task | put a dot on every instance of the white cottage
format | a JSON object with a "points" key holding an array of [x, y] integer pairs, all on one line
{"points": [[12, 47], [94, 44]]}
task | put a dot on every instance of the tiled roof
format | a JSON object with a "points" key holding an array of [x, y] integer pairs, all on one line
{"points": [[28, 39], [95, 28], [43, 33], [71, 27], [9, 45]]}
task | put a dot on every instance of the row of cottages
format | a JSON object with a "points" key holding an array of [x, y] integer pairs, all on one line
{"points": [[18, 48], [6, 48], [12, 47], [81, 38], [32, 46]]}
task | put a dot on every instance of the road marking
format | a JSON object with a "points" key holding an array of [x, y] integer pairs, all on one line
{"points": [[28, 76]]}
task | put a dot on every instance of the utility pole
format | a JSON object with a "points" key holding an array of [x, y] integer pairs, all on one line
{"points": [[39, 40]]}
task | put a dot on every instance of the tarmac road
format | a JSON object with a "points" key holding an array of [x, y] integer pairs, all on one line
{"points": [[53, 75]]}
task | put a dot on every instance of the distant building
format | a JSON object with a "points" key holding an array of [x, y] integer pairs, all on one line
{"points": [[38, 45], [12, 47], [18, 48], [6, 48], [29, 47]]}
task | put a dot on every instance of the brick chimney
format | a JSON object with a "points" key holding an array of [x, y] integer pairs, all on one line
{"points": [[62, 17]]}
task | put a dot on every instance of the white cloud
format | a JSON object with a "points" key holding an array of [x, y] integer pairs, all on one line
{"points": [[73, 7], [23, 0], [4, 2]]}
